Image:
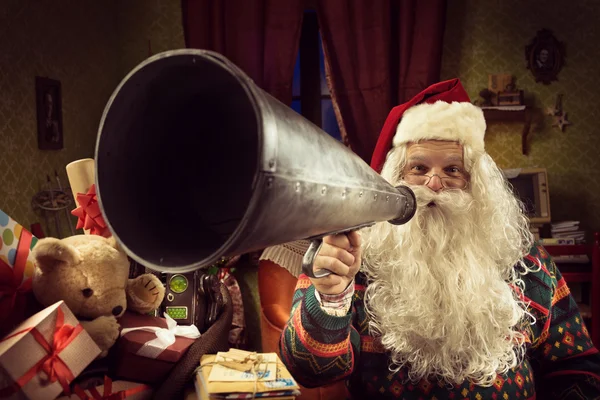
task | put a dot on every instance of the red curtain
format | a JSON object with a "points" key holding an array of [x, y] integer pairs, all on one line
{"points": [[259, 36], [380, 54]]}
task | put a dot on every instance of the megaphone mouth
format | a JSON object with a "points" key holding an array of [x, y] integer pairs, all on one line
{"points": [[162, 178]]}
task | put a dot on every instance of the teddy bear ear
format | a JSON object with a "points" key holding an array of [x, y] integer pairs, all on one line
{"points": [[51, 252], [113, 243]]}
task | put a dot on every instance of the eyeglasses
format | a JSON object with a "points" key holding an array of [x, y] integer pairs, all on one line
{"points": [[448, 182]]}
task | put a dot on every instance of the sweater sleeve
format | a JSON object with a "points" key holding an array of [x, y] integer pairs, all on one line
{"points": [[566, 362], [337, 304], [316, 347]]}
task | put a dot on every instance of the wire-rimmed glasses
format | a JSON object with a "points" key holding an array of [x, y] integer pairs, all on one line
{"points": [[448, 182]]}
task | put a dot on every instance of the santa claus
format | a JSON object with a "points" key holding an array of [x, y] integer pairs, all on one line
{"points": [[457, 302]]}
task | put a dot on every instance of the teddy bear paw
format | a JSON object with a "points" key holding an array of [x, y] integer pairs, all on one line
{"points": [[104, 331], [145, 293]]}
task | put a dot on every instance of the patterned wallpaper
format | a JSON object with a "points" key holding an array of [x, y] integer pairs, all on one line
{"points": [[144, 22], [73, 41], [490, 37], [87, 45]]}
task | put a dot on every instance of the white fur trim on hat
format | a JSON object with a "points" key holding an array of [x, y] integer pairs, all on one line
{"points": [[456, 121]]}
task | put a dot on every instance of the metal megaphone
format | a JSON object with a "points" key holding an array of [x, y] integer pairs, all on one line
{"points": [[194, 162]]}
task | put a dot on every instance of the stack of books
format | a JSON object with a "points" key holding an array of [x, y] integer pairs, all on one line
{"points": [[556, 241], [566, 233], [568, 230], [239, 374], [564, 259]]}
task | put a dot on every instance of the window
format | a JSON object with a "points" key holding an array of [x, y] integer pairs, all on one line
{"points": [[310, 93]]}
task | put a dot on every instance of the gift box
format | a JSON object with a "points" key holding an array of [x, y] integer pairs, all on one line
{"points": [[110, 390], [16, 269], [44, 354], [150, 346]]}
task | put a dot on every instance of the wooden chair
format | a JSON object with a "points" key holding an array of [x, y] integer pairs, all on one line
{"points": [[276, 288], [586, 273]]}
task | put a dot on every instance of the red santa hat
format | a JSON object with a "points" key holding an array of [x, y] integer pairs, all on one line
{"points": [[443, 111]]}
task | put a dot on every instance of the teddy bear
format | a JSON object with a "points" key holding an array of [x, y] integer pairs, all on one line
{"points": [[90, 273]]}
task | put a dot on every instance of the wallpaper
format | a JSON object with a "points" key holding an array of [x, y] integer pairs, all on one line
{"points": [[490, 37], [89, 46], [147, 27], [73, 41]]}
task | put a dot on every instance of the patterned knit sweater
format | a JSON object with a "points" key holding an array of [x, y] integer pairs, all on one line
{"points": [[561, 363]]}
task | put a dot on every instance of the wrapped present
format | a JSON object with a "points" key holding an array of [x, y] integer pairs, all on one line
{"points": [[44, 354], [150, 346], [116, 390], [239, 374], [16, 270]]}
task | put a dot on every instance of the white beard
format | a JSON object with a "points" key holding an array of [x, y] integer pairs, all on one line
{"points": [[439, 293]]}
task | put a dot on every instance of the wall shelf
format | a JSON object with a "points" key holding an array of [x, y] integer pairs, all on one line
{"points": [[509, 114]]}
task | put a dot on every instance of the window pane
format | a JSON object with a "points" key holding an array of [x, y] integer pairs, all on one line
{"points": [[296, 81], [296, 106], [324, 87], [328, 122]]}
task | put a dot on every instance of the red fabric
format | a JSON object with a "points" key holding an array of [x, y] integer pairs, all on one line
{"points": [[380, 53], [13, 289], [36, 229], [259, 36], [448, 91], [107, 391]]}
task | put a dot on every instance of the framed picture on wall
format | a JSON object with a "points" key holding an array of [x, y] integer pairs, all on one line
{"points": [[545, 57], [49, 113]]}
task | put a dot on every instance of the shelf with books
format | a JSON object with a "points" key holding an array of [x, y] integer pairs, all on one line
{"points": [[568, 230]]}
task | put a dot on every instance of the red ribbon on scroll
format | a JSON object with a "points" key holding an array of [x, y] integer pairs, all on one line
{"points": [[89, 215]]}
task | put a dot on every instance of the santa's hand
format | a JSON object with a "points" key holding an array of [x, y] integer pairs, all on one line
{"points": [[339, 254]]}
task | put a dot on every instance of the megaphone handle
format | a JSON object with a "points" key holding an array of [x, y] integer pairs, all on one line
{"points": [[315, 245], [309, 259]]}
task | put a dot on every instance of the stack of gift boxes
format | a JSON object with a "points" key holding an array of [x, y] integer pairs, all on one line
{"points": [[41, 355], [45, 353]]}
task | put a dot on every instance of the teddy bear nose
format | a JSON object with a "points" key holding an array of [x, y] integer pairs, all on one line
{"points": [[117, 310]]}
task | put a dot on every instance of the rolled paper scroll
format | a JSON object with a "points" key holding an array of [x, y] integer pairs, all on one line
{"points": [[82, 175]]}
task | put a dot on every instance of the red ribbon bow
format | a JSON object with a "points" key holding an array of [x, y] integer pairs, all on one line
{"points": [[107, 393], [88, 212], [11, 279], [51, 364]]}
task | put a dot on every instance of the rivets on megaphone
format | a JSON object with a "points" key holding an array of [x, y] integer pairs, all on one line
{"points": [[269, 182], [375, 197], [360, 194], [387, 198], [324, 190], [297, 186], [344, 193]]}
